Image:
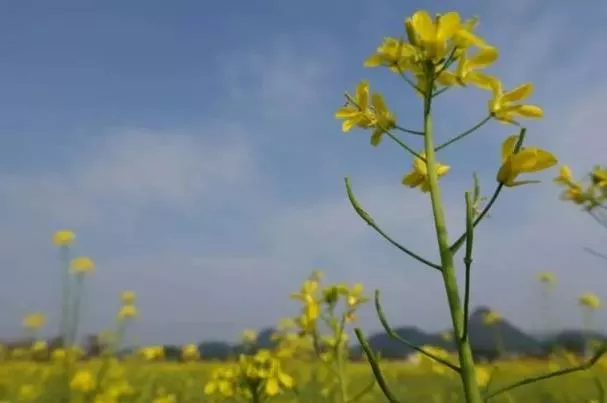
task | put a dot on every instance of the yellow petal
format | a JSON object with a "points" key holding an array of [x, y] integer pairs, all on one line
{"points": [[508, 146], [347, 125], [505, 174], [481, 80], [529, 111], [442, 169], [362, 95], [448, 25], [346, 112], [423, 24], [210, 388], [377, 100], [272, 387], [534, 160], [465, 38], [447, 78], [419, 165], [374, 60], [520, 92], [483, 58], [413, 179], [286, 379]]}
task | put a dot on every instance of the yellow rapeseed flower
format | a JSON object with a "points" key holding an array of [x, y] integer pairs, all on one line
{"points": [[547, 278], [466, 70], [39, 346], [590, 301], [151, 353], [395, 54], [28, 393], [83, 381], [483, 376], [491, 318], [432, 34], [82, 265], [127, 297], [565, 176], [190, 352], [34, 320], [63, 237], [249, 336], [599, 177], [358, 112], [128, 311], [527, 160], [504, 106], [418, 177]]}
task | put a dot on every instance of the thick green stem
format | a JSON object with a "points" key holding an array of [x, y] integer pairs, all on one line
{"points": [[468, 371]]}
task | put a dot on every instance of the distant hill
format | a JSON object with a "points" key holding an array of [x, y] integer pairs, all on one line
{"points": [[482, 337]]}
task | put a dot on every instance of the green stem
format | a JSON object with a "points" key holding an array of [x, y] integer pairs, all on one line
{"points": [[65, 295], [73, 334], [468, 261], [381, 381], [468, 371], [588, 364], [339, 358], [394, 335], [405, 130]]}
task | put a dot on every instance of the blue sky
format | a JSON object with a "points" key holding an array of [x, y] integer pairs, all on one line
{"points": [[193, 149]]}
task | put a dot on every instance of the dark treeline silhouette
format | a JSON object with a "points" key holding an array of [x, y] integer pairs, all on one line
{"points": [[488, 342]]}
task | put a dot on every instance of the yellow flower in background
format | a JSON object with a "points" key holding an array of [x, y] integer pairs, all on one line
{"points": [[151, 353], [527, 160], [483, 376], [39, 346], [491, 318], [599, 177], [547, 278], [83, 381], [224, 381], [34, 321], [28, 393], [127, 312], [355, 295], [432, 34], [447, 335], [311, 308], [63, 237], [190, 352], [249, 336], [418, 177], [565, 176], [128, 297], [590, 301], [82, 265], [505, 106]]}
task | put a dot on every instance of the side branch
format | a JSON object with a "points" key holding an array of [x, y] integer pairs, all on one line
{"points": [[394, 335], [369, 220], [381, 381], [588, 364]]}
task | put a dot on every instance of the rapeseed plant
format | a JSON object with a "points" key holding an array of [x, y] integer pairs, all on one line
{"points": [[433, 45]]}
